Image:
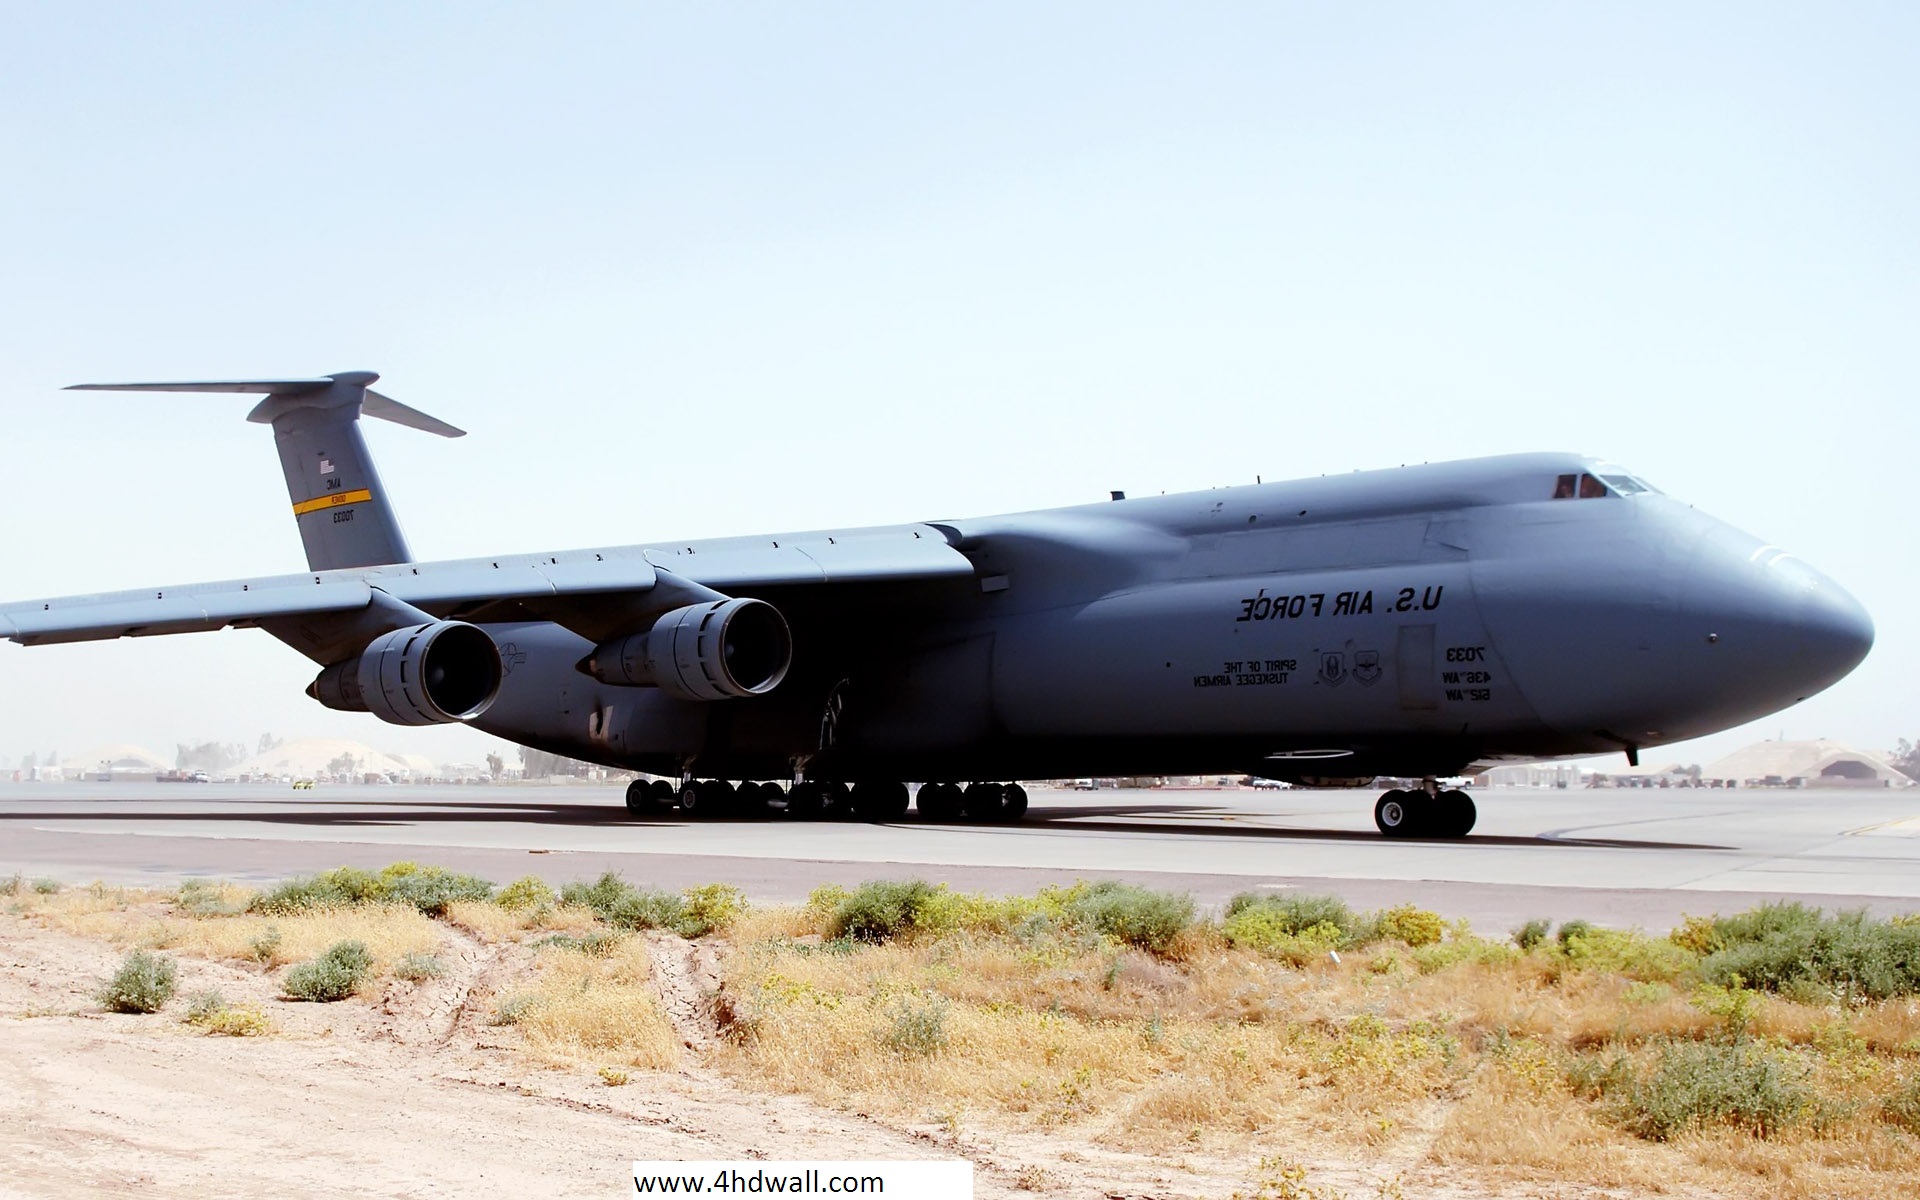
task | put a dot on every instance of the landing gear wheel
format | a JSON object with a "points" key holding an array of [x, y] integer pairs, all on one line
{"points": [[660, 793], [839, 802], [693, 798], [1398, 813], [938, 802], [806, 802], [753, 798], [880, 801], [720, 796], [982, 802], [638, 795], [1014, 804], [1457, 814]]}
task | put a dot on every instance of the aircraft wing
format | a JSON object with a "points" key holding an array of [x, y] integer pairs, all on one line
{"points": [[589, 591]]}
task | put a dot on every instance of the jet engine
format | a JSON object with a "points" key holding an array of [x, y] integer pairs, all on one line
{"points": [[718, 650], [432, 674]]}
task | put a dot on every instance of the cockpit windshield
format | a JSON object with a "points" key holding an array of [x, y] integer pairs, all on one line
{"points": [[1588, 486]]}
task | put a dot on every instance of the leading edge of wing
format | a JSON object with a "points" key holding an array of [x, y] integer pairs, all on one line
{"points": [[897, 553]]}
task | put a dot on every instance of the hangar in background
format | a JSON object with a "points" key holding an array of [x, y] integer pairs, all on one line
{"points": [[1818, 763]]}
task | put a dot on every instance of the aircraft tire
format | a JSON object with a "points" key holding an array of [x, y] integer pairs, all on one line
{"points": [[757, 798], [840, 802], [693, 799], [1013, 806], [981, 802], [721, 797], [880, 801], [806, 802], [937, 802], [1397, 814], [1457, 814], [639, 795], [660, 793]]}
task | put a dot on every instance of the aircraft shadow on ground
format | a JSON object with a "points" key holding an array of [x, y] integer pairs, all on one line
{"points": [[1104, 819]]}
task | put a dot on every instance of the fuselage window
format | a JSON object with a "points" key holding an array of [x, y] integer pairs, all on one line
{"points": [[1591, 488], [1563, 487]]}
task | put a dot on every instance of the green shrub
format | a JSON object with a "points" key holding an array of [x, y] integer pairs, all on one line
{"points": [[416, 967], [1135, 915], [1293, 912], [265, 944], [333, 976], [709, 907], [513, 1010], [431, 889], [1625, 952], [13, 884], [1405, 923], [597, 944], [199, 898], [1442, 956], [1901, 1106], [243, 1021], [47, 886], [1273, 935], [1295, 928], [916, 1027], [1694, 1084], [881, 909], [527, 893], [210, 1012], [1533, 934], [947, 911], [342, 887], [143, 984], [1849, 954], [201, 1007], [1576, 928]]}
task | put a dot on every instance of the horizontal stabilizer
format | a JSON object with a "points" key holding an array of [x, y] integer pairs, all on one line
{"points": [[389, 409], [373, 405]]}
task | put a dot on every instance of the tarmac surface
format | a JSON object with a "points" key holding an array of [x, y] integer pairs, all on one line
{"points": [[1635, 857]]}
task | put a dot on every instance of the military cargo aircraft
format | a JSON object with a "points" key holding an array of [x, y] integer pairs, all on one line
{"points": [[1413, 623]]}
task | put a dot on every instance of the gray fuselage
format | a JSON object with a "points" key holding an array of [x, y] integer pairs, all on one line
{"points": [[1408, 622]]}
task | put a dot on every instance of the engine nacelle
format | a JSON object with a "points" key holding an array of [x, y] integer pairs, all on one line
{"points": [[719, 650], [432, 674]]}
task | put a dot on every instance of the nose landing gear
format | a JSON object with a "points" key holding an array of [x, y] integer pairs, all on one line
{"points": [[1425, 811]]}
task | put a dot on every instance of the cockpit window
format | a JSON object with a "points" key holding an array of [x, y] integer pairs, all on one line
{"points": [[1593, 487]]}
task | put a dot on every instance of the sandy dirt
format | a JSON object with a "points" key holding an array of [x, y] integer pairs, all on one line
{"points": [[414, 1094]]}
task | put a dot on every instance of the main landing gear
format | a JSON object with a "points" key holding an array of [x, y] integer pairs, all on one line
{"points": [[983, 803], [980, 803], [1425, 811]]}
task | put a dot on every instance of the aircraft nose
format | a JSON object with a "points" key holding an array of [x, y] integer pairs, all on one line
{"points": [[1775, 625]]}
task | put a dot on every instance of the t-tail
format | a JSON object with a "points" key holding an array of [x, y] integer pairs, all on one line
{"points": [[343, 512]]}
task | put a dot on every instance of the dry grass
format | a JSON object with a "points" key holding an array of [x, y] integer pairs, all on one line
{"points": [[148, 920], [495, 925], [594, 1009], [1218, 1048], [1461, 1055]]}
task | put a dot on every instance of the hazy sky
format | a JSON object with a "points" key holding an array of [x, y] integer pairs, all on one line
{"points": [[709, 269]]}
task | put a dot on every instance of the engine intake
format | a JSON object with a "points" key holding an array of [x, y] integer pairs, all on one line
{"points": [[432, 674], [719, 650]]}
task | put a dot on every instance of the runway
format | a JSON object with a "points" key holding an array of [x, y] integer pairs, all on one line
{"points": [[1642, 857]]}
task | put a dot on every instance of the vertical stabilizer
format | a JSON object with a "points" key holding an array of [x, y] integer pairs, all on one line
{"points": [[342, 509]]}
